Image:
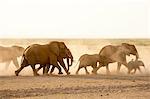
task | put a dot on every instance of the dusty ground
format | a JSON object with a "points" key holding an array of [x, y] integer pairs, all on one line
{"points": [[76, 87]]}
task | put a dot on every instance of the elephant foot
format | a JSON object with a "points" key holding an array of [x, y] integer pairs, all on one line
{"points": [[60, 73], [76, 73], [94, 72], [36, 70], [87, 73], [36, 74], [46, 74], [68, 73], [16, 72]]}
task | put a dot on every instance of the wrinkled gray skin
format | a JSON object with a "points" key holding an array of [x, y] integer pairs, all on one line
{"points": [[88, 60], [44, 54], [8, 54], [117, 54], [68, 56], [134, 65]]}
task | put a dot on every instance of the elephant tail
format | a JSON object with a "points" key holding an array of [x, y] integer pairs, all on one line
{"points": [[24, 61], [26, 49], [23, 57]]}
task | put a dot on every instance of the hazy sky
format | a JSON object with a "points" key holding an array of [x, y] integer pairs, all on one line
{"points": [[74, 18]]}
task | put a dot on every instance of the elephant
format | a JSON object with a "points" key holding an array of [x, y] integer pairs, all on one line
{"points": [[68, 56], [8, 54], [134, 65], [91, 60], [44, 54], [117, 54]]}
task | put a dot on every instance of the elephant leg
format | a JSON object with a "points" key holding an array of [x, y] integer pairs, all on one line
{"points": [[43, 69], [34, 70], [94, 67], [7, 64], [86, 70], [118, 67], [78, 70], [39, 68], [134, 71], [107, 69], [16, 62], [63, 65], [18, 71], [97, 68], [56, 65], [68, 63], [53, 67], [129, 71], [46, 69], [139, 69]]}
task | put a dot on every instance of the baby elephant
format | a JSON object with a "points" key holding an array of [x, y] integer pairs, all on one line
{"points": [[88, 60], [134, 65]]}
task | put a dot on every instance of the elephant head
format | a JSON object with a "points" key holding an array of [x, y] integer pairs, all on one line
{"points": [[58, 48], [140, 63], [61, 50], [18, 50], [131, 49]]}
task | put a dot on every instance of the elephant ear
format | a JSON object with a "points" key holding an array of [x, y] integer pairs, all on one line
{"points": [[57, 47], [62, 49], [126, 48], [54, 47], [131, 48], [62, 45], [140, 63]]}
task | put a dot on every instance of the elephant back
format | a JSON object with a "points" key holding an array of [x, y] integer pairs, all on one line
{"points": [[83, 57], [36, 53], [108, 50]]}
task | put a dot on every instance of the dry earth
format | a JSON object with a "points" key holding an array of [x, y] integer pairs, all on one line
{"points": [[76, 87]]}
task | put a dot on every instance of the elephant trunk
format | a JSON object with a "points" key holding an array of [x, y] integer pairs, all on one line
{"points": [[143, 66], [69, 56], [137, 56], [69, 63]]}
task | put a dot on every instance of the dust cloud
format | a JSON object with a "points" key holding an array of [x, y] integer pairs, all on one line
{"points": [[78, 48]]}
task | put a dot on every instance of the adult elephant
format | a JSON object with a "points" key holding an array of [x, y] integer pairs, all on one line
{"points": [[8, 54], [68, 56], [117, 54], [44, 54]]}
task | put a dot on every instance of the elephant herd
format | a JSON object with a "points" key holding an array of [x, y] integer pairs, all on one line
{"points": [[53, 53]]}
